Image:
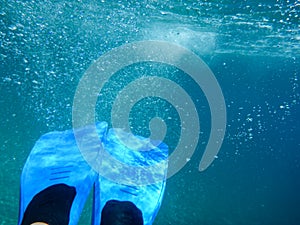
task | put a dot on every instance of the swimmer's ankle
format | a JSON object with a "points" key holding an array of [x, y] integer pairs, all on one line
{"points": [[39, 223]]}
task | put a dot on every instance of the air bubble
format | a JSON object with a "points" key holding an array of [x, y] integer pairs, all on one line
{"points": [[249, 119], [12, 27]]}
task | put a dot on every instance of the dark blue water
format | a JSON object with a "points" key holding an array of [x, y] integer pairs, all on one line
{"points": [[253, 49]]}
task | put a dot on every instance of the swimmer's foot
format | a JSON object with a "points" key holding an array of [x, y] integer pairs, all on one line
{"points": [[50, 206], [125, 181], [121, 212], [56, 178]]}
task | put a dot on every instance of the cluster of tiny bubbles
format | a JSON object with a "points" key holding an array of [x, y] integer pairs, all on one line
{"points": [[254, 121], [147, 108], [50, 44]]}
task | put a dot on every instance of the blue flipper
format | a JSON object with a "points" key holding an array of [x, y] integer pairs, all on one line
{"points": [[56, 159], [115, 183]]}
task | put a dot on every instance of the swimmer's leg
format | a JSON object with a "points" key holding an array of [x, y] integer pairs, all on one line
{"points": [[56, 180], [115, 183]]}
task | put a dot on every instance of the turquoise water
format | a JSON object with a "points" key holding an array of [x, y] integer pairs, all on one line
{"points": [[253, 49]]}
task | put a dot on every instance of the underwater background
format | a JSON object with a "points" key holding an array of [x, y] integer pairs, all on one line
{"points": [[253, 49]]}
